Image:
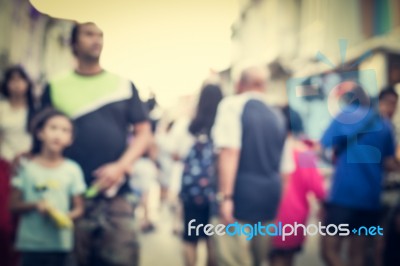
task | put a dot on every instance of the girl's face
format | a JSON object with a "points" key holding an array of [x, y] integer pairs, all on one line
{"points": [[56, 135], [17, 85]]}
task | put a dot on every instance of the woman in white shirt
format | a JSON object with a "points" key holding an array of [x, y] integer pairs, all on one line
{"points": [[16, 106], [15, 110]]}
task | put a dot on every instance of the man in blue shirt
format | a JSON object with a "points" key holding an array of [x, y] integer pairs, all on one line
{"points": [[363, 144]]}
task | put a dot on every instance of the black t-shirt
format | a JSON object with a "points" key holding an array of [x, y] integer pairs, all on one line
{"points": [[103, 107]]}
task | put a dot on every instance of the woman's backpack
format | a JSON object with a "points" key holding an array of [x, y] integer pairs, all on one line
{"points": [[198, 176]]}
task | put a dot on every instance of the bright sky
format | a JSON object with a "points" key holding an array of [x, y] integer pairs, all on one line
{"points": [[168, 46]]}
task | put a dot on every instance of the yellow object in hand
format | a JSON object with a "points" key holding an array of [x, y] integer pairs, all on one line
{"points": [[60, 218], [92, 192]]}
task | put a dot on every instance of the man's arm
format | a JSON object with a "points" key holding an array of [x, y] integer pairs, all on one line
{"points": [[113, 173], [227, 166], [227, 134], [391, 163], [78, 207], [138, 146]]}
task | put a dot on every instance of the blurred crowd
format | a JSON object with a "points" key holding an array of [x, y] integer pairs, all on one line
{"points": [[80, 160]]}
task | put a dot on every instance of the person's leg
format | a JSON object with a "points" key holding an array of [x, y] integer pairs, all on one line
{"points": [[357, 247], [379, 241], [118, 244], [282, 259], [211, 256], [7, 225], [379, 249], [362, 247], [86, 233], [290, 259], [190, 253], [57, 259], [177, 214], [164, 178], [332, 245], [232, 250], [331, 248], [31, 259], [260, 246], [45, 259], [147, 225], [83, 242], [193, 215], [163, 194], [278, 260]]}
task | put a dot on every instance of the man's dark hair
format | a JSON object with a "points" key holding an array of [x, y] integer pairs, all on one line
{"points": [[388, 91], [75, 35]]}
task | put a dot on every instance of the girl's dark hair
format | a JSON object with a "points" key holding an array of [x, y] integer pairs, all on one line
{"points": [[203, 121], [19, 70], [293, 121], [39, 121]]}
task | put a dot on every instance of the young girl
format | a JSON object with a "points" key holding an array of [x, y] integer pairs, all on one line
{"points": [[16, 109], [301, 178], [43, 191]]}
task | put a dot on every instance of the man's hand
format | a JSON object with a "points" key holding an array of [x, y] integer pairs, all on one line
{"points": [[226, 211], [109, 175]]}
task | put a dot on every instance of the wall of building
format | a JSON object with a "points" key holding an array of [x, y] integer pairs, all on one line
{"points": [[35, 41], [292, 32]]}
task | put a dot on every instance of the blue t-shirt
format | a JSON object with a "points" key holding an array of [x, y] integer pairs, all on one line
{"points": [[37, 232], [363, 140]]}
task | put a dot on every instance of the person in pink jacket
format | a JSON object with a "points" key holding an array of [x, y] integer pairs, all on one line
{"points": [[301, 178]]}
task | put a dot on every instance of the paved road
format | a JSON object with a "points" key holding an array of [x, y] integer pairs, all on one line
{"points": [[163, 248]]}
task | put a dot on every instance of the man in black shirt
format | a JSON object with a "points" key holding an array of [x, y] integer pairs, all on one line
{"points": [[103, 106], [249, 134]]}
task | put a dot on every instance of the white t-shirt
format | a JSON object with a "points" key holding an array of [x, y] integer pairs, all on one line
{"points": [[227, 130], [14, 139]]}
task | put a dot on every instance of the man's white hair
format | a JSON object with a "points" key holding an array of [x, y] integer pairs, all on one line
{"points": [[239, 69]]}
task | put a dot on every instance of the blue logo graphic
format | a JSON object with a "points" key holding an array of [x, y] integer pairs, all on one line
{"points": [[330, 96]]}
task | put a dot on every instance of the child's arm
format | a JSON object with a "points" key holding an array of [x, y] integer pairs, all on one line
{"points": [[317, 184], [78, 207], [18, 205], [77, 189]]}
